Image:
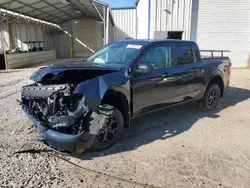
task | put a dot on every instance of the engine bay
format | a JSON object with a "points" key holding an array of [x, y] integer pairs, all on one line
{"points": [[56, 107]]}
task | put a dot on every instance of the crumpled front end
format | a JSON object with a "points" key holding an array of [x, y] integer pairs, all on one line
{"points": [[62, 112], [59, 116]]}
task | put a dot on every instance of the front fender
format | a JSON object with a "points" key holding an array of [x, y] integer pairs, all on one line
{"points": [[95, 89]]}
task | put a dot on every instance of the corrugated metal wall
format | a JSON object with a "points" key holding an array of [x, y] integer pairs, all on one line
{"points": [[224, 25], [171, 15], [4, 37], [125, 23], [22, 33]]}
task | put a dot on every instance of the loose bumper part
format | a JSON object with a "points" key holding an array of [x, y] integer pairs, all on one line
{"points": [[61, 141]]}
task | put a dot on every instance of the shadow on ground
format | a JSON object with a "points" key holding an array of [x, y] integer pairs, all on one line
{"points": [[168, 123]]}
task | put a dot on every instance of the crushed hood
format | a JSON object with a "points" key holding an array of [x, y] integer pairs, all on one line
{"points": [[91, 81], [70, 72]]}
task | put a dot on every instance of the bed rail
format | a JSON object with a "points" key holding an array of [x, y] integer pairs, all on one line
{"points": [[213, 51]]}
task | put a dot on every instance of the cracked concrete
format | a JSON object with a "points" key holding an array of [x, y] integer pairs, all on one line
{"points": [[178, 147]]}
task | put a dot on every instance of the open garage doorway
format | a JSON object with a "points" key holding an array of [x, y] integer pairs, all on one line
{"points": [[175, 35]]}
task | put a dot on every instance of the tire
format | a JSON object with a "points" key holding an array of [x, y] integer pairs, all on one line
{"points": [[211, 98], [108, 123]]}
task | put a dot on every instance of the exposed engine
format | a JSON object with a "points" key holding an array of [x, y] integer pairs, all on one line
{"points": [[56, 107]]}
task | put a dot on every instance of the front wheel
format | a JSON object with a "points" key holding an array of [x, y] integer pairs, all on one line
{"points": [[211, 98], [111, 130]]}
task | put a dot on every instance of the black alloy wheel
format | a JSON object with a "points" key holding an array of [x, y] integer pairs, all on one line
{"points": [[112, 128], [108, 133], [211, 98]]}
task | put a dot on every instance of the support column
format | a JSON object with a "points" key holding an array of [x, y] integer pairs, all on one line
{"points": [[30, 41], [71, 52], [20, 31], [44, 39], [36, 36], [27, 34], [107, 26], [15, 27], [104, 25]]}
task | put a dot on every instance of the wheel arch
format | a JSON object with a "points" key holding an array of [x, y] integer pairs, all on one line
{"points": [[216, 79], [119, 99]]}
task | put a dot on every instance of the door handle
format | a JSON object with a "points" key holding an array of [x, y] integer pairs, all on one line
{"points": [[165, 75], [195, 70], [168, 77]]}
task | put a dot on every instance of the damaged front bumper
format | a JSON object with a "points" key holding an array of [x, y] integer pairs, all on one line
{"points": [[45, 122], [74, 144]]}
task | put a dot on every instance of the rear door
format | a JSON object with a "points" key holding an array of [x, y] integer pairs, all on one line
{"points": [[187, 72], [152, 91]]}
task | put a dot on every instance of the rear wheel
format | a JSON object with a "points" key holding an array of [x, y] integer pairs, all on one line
{"points": [[111, 130], [211, 98]]}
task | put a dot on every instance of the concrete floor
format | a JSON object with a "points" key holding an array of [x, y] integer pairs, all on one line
{"points": [[178, 147]]}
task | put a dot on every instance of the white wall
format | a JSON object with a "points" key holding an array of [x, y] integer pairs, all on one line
{"points": [[142, 19], [65, 40], [125, 23], [4, 37], [224, 26], [88, 37], [85, 36]]}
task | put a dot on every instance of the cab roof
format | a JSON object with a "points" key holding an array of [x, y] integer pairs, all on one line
{"points": [[146, 41]]}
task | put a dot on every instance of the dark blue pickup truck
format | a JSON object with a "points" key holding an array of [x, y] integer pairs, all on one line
{"points": [[86, 105]]}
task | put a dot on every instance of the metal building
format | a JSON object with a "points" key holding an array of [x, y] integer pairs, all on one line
{"points": [[125, 23], [50, 29], [213, 24], [224, 25], [161, 19]]}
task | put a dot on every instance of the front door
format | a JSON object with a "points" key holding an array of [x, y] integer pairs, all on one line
{"points": [[153, 90]]}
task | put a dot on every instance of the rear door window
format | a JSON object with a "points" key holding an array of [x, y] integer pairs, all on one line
{"points": [[184, 55]]}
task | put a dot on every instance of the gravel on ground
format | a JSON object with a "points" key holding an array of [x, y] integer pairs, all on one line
{"points": [[177, 147]]}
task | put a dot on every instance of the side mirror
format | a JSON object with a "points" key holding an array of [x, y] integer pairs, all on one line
{"points": [[145, 68]]}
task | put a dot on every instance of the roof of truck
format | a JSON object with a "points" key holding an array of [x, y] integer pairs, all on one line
{"points": [[146, 41]]}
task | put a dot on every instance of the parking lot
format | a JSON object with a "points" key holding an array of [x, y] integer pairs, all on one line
{"points": [[178, 147]]}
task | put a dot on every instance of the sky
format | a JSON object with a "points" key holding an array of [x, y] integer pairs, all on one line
{"points": [[120, 3]]}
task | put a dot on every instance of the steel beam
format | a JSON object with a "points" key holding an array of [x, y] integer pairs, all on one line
{"points": [[104, 25], [107, 26], [87, 10], [97, 10], [16, 42], [27, 34], [13, 14]]}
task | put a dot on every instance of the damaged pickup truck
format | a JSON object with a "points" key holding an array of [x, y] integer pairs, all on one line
{"points": [[86, 105]]}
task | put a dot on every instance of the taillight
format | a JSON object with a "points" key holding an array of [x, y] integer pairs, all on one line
{"points": [[230, 68]]}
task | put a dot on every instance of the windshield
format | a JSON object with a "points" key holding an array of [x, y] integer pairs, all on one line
{"points": [[115, 55]]}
